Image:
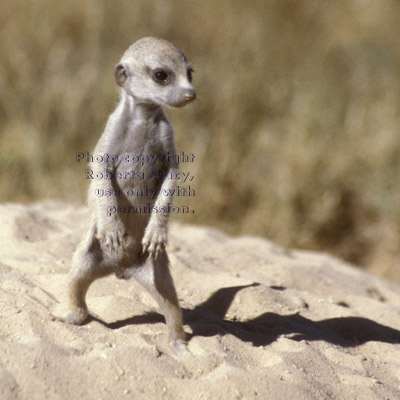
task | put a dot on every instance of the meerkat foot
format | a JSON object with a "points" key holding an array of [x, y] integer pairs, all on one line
{"points": [[178, 340], [77, 317], [180, 347]]}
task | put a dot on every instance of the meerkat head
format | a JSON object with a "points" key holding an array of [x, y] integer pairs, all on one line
{"points": [[154, 71]]}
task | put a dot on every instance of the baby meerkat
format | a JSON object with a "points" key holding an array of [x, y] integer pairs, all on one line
{"points": [[152, 73]]}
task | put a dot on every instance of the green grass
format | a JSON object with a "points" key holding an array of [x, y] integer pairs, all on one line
{"points": [[296, 129]]}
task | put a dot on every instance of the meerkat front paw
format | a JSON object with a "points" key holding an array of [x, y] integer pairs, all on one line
{"points": [[154, 241], [112, 238]]}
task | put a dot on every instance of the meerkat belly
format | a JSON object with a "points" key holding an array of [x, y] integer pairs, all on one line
{"points": [[137, 178], [139, 184]]}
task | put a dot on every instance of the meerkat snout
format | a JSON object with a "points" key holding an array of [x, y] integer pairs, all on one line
{"points": [[190, 94]]}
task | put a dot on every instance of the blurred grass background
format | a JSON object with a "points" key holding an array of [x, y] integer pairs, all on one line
{"points": [[295, 130]]}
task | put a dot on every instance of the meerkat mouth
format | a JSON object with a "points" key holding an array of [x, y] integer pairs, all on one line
{"points": [[184, 102]]}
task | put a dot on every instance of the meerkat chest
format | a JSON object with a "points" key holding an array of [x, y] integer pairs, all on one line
{"points": [[142, 157]]}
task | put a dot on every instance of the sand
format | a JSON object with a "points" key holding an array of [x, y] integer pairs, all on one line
{"points": [[265, 322]]}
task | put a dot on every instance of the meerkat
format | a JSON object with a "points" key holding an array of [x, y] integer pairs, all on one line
{"points": [[151, 74]]}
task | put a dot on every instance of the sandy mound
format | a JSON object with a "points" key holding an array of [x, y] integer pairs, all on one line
{"points": [[265, 322]]}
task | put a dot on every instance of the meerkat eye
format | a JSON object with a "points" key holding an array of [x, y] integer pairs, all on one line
{"points": [[160, 76], [189, 74]]}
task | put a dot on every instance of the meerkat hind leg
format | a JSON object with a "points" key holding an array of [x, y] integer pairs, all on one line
{"points": [[86, 269], [154, 275]]}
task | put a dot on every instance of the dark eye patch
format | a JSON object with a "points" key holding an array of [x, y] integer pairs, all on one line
{"points": [[189, 74], [160, 76]]}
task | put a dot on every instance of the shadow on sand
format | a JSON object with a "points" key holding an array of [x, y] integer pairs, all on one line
{"points": [[208, 319]]}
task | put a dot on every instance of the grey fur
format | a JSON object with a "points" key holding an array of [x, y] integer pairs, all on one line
{"points": [[133, 244]]}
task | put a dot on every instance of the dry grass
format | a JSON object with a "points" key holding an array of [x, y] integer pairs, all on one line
{"points": [[296, 130]]}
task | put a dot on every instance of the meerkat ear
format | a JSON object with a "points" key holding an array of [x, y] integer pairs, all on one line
{"points": [[121, 74]]}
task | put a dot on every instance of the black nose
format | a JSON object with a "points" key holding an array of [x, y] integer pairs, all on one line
{"points": [[190, 94]]}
